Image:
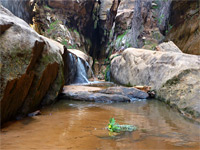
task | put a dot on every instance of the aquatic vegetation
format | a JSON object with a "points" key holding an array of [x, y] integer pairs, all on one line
{"points": [[114, 127]]}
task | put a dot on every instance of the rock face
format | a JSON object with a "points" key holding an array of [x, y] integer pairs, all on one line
{"points": [[145, 24], [159, 69], [31, 67], [68, 22], [184, 20], [104, 8], [139, 24], [83, 25], [76, 12], [105, 26]]}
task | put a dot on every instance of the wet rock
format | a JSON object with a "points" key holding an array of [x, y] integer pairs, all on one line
{"points": [[31, 67], [101, 93], [95, 97], [82, 55], [174, 76], [35, 113], [129, 92], [151, 93], [101, 84], [70, 63]]}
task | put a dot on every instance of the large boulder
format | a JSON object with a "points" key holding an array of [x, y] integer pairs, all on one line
{"points": [[183, 92], [31, 67], [175, 76], [140, 24]]}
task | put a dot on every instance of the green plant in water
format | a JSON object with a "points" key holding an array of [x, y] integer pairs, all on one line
{"points": [[114, 127]]}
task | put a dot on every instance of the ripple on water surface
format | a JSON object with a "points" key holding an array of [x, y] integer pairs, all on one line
{"points": [[81, 125]]}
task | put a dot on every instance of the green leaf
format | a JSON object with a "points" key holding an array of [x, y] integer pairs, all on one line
{"points": [[112, 121], [117, 128]]}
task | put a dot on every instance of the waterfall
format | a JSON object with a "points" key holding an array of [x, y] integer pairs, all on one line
{"points": [[81, 74], [90, 69], [20, 8]]}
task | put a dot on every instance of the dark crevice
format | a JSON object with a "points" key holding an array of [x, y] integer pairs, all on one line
{"points": [[100, 36]]}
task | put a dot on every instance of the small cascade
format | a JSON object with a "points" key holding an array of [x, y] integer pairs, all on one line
{"points": [[77, 70], [90, 70], [81, 74]]}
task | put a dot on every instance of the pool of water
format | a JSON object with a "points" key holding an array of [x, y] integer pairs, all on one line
{"points": [[82, 125]]}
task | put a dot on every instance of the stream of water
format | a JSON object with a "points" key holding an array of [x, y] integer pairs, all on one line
{"points": [[81, 74], [82, 125]]}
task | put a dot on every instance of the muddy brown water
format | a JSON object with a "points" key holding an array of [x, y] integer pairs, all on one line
{"points": [[82, 126]]}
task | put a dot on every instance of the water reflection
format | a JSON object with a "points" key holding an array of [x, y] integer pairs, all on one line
{"points": [[81, 125]]}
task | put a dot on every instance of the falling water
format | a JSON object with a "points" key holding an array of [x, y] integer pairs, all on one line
{"points": [[81, 74], [90, 69]]}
